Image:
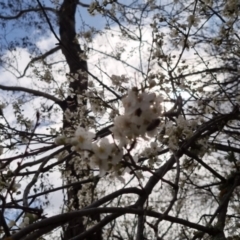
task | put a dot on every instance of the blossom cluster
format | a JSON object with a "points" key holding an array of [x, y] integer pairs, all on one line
{"points": [[101, 153], [140, 119], [182, 128], [106, 155]]}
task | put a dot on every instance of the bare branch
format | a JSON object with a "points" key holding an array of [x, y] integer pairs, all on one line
{"points": [[32, 91], [39, 58], [22, 12], [65, 217], [83, 4]]}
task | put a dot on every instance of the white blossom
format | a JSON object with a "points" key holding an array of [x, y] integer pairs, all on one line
{"points": [[102, 164], [140, 111], [83, 139], [106, 154], [102, 149]]}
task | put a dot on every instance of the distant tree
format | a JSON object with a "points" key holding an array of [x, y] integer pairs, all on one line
{"points": [[138, 119]]}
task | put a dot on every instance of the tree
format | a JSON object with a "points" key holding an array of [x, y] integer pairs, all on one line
{"points": [[143, 131]]}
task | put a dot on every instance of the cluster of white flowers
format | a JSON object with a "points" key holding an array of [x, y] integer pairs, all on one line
{"points": [[140, 118], [82, 140], [183, 129], [96, 103], [101, 153], [151, 151], [106, 155]]}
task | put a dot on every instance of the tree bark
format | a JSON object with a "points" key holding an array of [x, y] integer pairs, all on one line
{"points": [[78, 69]]}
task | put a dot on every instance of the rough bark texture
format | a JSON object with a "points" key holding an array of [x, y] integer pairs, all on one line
{"points": [[72, 52]]}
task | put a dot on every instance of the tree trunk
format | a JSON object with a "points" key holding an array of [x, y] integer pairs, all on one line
{"points": [[78, 70]]}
